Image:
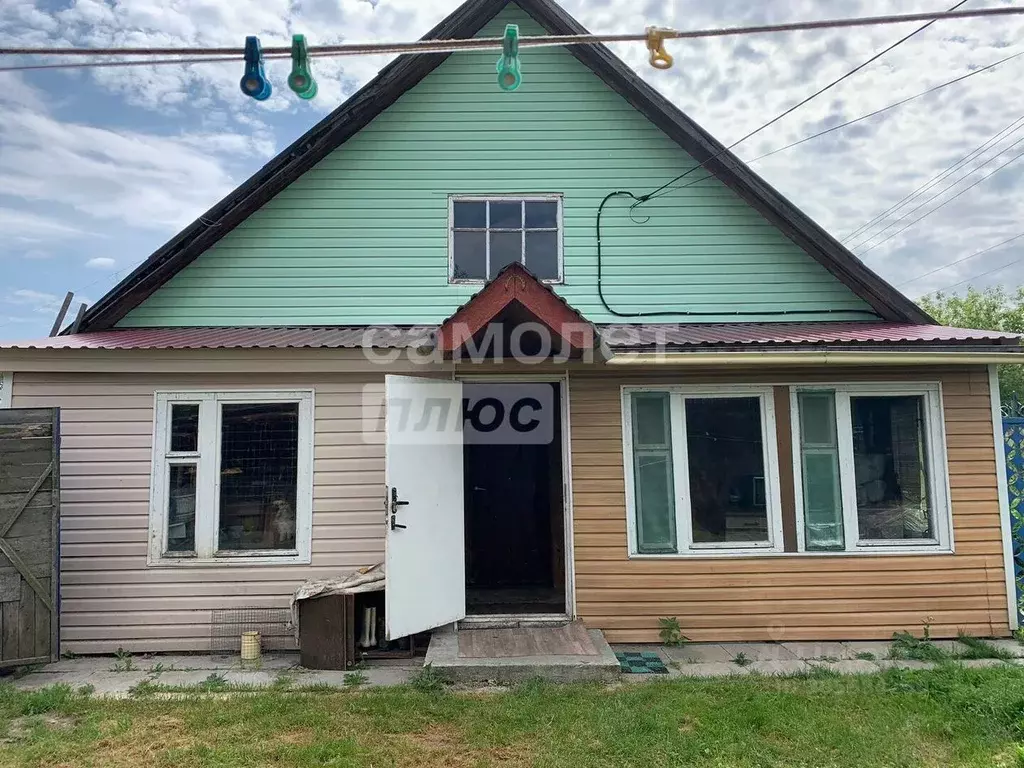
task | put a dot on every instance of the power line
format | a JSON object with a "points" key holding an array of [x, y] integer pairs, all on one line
{"points": [[944, 203], [975, 277], [960, 261], [538, 41], [899, 103], [665, 188], [933, 181]]}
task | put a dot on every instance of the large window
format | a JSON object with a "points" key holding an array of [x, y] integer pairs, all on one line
{"points": [[488, 234], [870, 468], [232, 477], [702, 469]]}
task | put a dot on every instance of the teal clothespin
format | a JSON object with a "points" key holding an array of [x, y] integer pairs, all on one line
{"points": [[254, 82], [301, 79], [509, 76]]}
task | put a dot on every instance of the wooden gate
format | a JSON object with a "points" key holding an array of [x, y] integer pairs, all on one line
{"points": [[29, 500]]}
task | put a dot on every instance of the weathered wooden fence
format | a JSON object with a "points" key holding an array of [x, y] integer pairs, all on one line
{"points": [[29, 501]]}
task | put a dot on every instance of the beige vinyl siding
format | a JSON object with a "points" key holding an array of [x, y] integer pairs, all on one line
{"points": [[787, 597], [109, 597]]}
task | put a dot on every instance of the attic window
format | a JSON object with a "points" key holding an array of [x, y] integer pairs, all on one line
{"points": [[488, 233]]}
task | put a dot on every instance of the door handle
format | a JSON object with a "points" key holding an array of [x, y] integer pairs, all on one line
{"points": [[393, 504]]}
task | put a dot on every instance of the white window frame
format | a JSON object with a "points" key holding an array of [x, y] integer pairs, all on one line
{"points": [[685, 547], [6, 387], [207, 459], [935, 450], [534, 198]]}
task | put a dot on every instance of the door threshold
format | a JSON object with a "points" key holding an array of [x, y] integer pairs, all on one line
{"points": [[510, 620]]}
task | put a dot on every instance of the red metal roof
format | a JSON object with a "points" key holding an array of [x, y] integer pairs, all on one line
{"points": [[614, 335], [715, 334], [236, 338]]}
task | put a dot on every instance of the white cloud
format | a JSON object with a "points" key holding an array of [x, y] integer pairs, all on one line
{"points": [[100, 262], [37, 301], [31, 227], [143, 180]]}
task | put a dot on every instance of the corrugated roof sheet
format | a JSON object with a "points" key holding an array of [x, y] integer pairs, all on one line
{"points": [[337, 337], [678, 335], [757, 334]]}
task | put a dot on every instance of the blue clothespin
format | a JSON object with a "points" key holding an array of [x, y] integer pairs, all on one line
{"points": [[509, 76], [254, 82]]}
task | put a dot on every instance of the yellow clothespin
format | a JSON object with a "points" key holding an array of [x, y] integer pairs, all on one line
{"points": [[660, 58]]}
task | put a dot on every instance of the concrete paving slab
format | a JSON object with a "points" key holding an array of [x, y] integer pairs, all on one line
{"points": [[697, 653], [443, 656], [983, 663], [904, 664], [849, 666], [779, 667], [708, 669], [1009, 645], [256, 679], [113, 684], [181, 679], [759, 651], [878, 648], [822, 650]]}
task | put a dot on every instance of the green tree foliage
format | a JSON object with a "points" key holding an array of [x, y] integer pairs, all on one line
{"points": [[992, 309]]}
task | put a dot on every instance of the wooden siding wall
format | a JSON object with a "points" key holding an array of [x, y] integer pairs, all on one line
{"points": [[109, 598], [788, 597], [363, 236]]}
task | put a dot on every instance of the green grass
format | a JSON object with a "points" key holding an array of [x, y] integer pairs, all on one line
{"points": [[950, 716]]}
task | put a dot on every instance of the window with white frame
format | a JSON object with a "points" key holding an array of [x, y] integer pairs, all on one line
{"points": [[232, 477], [870, 468], [701, 470], [489, 233]]}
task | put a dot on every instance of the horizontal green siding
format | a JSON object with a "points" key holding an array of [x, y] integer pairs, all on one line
{"points": [[362, 237]]}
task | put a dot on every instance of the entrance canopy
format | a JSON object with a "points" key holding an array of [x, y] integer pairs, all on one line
{"points": [[516, 313]]}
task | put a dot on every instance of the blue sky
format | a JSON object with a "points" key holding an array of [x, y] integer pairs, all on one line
{"points": [[99, 167]]}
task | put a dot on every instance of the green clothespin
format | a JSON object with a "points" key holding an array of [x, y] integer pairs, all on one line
{"points": [[301, 79], [509, 76]]}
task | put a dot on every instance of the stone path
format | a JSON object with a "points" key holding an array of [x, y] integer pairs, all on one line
{"points": [[109, 676]]}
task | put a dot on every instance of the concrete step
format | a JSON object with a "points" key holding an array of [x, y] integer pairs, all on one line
{"points": [[444, 657]]}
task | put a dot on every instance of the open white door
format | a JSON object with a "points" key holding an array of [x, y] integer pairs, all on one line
{"points": [[425, 544]]}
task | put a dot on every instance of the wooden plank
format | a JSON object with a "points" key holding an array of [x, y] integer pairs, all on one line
{"points": [[27, 619], [10, 587], [27, 574], [10, 631], [46, 644], [6, 523]]}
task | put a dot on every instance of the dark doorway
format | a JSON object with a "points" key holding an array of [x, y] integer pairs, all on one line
{"points": [[515, 542]]}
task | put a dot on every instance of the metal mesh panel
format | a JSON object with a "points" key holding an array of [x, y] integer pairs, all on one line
{"points": [[228, 624]]}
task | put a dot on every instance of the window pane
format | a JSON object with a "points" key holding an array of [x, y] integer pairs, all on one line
{"points": [[258, 473], [542, 254], [506, 247], [541, 215], [891, 468], [181, 508], [184, 427], [470, 255], [471, 215], [506, 215], [726, 467], [651, 419], [823, 504], [652, 471]]}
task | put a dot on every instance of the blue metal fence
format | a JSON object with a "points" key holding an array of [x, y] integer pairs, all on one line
{"points": [[1013, 444]]}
